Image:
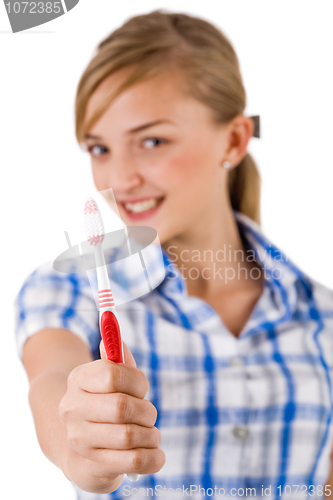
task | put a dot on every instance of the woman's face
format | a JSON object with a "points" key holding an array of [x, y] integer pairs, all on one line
{"points": [[165, 175]]}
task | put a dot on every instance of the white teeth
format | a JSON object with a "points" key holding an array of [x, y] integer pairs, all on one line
{"points": [[141, 206]]}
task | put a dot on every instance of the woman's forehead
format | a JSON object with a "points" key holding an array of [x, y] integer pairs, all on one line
{"points": [[159, 93]]}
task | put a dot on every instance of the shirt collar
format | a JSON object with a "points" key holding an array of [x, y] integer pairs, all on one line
{"points": [[281, 275]]}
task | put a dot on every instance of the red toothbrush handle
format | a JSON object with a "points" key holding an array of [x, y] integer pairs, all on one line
{"points": [[111, 336]]}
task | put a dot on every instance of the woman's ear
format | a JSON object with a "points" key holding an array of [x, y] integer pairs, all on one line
{"points": [[239, 132]]}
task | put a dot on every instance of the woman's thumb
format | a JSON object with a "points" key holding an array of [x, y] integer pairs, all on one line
{"points": [[129, 360], [102, 350]]}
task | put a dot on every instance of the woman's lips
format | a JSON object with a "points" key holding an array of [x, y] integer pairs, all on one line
{"points": [[142, 215]]}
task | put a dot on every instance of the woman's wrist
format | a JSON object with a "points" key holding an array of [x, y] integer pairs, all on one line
{"points": [[45, 394], [64, 463]]}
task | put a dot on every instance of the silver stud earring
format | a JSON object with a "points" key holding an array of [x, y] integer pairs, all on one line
{"points": [[227, 165]]}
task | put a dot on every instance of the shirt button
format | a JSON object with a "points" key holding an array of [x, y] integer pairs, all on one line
{"points": [[236, 361], [241, 432]]}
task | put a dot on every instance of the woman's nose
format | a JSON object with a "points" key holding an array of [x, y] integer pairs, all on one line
{"points": [[123, 175]]}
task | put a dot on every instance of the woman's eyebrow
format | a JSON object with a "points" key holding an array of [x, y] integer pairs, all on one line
{"points": [[89, 136], [146, 125], [136, 129]]}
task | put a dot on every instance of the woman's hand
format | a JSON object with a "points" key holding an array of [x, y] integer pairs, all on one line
{"points": [[110, 427]]}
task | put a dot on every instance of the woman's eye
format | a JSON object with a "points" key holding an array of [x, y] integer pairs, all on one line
{"points": [[97, 150], [152, 141]]}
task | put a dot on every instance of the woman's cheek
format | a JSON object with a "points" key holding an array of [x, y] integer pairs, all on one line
{"points": [[181, 168], [193, 157], [101, 180]]}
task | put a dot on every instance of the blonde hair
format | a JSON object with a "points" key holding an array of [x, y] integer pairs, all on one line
{"points": [[160, 39]]}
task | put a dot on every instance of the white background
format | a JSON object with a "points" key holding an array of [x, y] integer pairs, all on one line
{"points": [[285, 51]]}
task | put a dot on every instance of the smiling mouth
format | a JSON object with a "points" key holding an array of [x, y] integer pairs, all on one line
{"points": [[144, 206]]}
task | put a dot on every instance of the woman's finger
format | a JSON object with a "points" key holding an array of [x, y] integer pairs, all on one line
{"points": [[93, 436], [110, 463], [104, 376], [116, 408]]}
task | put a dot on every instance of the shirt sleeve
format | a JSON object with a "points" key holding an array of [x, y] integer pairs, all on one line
{"points": [[50, 299]]}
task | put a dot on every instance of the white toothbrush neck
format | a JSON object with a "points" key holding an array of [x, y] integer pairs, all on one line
{"points": [[102, 274]]}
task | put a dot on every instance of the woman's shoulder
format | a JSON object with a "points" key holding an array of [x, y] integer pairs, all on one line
{"points": [[322, 295], [279, 265], [46, 276], [314, 300]]}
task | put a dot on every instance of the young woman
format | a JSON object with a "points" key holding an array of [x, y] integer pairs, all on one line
{"points": [[235, 344]]}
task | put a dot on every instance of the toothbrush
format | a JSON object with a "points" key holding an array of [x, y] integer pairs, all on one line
{"points": [[108, 320]]}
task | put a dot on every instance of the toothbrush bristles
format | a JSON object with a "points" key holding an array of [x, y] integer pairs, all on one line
{"points": [[93, 223]]}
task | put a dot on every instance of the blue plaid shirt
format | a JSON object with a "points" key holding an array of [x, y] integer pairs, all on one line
{"points": [[253, 412]]}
